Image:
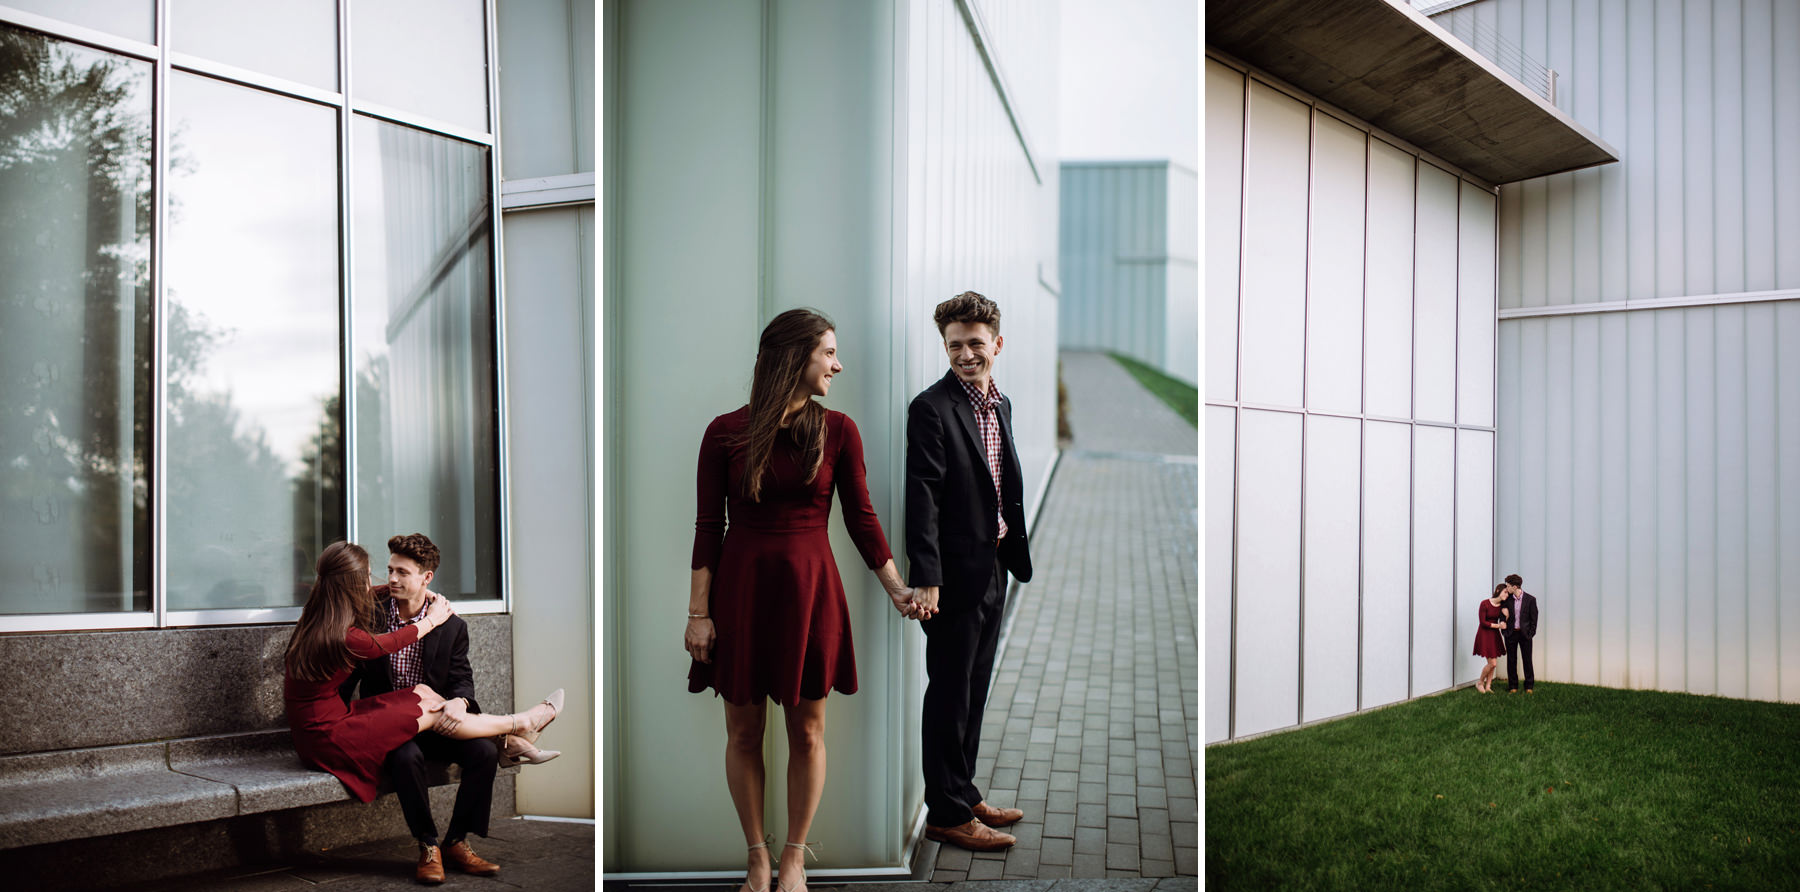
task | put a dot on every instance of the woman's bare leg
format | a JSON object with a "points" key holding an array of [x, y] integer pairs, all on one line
{"points": [[744, 778], [806, 781], [453, 719]]}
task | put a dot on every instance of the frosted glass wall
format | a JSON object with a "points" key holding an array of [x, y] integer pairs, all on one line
{"points": [[1350, 311]]}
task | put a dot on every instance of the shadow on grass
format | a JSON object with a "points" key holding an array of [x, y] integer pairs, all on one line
{"points": [[1574, 787]]}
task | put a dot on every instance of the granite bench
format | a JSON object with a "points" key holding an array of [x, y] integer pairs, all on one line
{"points": [[98, 791]]}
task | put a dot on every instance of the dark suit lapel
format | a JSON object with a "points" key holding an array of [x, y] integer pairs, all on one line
{"points": [[965, 414]]}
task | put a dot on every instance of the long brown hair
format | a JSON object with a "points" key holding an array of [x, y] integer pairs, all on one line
{"points": [[786, 346], [1497, 590], [339, 601]]}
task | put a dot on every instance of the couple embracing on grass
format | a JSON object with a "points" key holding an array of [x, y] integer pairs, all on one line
{"points": [[1508, 621]]}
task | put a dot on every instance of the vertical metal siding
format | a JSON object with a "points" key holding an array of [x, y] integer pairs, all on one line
{"points": [[1646, 458], [1282, 472], [1116, 254]]}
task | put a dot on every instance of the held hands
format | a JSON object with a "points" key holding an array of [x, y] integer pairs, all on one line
{"points": [[906, 601], [925, 601]]}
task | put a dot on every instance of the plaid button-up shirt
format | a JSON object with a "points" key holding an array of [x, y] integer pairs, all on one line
{"points": [[405, 668], [987, 423]]}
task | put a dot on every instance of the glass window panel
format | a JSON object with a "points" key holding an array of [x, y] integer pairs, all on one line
{"points": [[75, 309], [135, 19], [423, 56], [295, 39], [255, 443], [427, 454]]}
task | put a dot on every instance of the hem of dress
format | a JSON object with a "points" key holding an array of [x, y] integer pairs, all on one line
{"points": [[755, 697]]}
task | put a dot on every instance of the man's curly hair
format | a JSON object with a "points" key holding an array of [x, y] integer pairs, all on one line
{"points": [[418, 547]]}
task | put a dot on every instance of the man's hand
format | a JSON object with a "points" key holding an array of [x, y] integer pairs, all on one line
{"points": [[699, 638], [926, 596]]}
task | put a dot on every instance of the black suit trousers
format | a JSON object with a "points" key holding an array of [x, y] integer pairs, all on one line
{"points": [[959, 661], [1518, 646], [480, 761]]}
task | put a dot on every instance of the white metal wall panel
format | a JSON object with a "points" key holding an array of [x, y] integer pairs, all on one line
{"points": [[1730, 459], [1612, 467], [1333, 480], [1700, 508], [1762, 555], [1651, 453], [1475, 576], [1671, 494], [1274, 271], [1224, 214], [1388, 329], [1587, 516], [1268, 572], [1434, 553], [1337, 227], [1787, 551], [1334, 301], [1700, 100], [1552, 651], [1387, 558], [1475, 307], [1221, 474], [1181, 289], [1434, 297], [1641, 498]]}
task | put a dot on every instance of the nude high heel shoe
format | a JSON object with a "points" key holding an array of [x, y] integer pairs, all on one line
{"points": [[520, 746]]}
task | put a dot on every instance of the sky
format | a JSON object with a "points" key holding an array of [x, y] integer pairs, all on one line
{"points": [[1131, 80]]}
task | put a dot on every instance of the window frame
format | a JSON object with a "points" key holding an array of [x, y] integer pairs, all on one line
{"points": [[163, 64]]}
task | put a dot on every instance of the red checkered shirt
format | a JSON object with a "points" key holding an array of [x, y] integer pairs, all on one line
{"points": [[404, 666], [987, 422]]}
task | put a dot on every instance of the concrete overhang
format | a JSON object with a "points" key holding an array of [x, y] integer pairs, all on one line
{"points": [[1387, 64]]}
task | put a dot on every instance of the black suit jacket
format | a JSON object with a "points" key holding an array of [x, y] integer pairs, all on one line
{"points": [[951, 524], [1528, 615], [443, 660]]}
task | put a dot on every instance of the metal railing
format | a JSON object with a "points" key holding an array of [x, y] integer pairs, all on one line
{"points": [[1482, 38]]}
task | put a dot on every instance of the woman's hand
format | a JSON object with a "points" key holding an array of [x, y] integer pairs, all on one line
{"points": [[699, 638], [438, 611], [904, 600]]}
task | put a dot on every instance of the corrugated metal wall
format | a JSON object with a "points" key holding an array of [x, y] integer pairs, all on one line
{"points": [[1353, 394], [1703, 102], [1650, 495], [1130, 280], [1647, 467]]}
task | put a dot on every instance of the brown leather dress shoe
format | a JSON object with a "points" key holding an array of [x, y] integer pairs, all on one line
{"points": [[973, 836], [997, 817], [431, 866], [465, 859]]}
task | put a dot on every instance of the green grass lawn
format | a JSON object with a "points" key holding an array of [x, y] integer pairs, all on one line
{"points": [[1181, 396], [1573, 787]]}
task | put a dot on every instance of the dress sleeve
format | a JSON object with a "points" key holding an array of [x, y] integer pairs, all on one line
{"points": [[853, 492], [365, 646], [710, 483]]}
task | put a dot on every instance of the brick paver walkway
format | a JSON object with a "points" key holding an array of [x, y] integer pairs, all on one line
{"points": [[1093, 723]]}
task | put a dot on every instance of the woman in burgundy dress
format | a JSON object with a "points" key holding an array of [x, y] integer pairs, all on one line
{"points": [[351, 741], [766, 613], [1488, 643]]}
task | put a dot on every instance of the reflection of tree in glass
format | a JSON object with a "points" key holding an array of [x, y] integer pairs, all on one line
{"points": [[75, 218], [76, 372]]}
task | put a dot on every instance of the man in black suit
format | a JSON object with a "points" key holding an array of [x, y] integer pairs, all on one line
{"points": [[965, 530], [441, 661], [1521, 627]]}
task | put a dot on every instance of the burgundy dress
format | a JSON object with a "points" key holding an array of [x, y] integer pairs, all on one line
{"points": [[1488, 642], [777, 606], [352, 741]]}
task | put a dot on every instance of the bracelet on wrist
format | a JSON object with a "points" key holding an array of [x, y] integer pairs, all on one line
{"points": [[698, 616]]}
